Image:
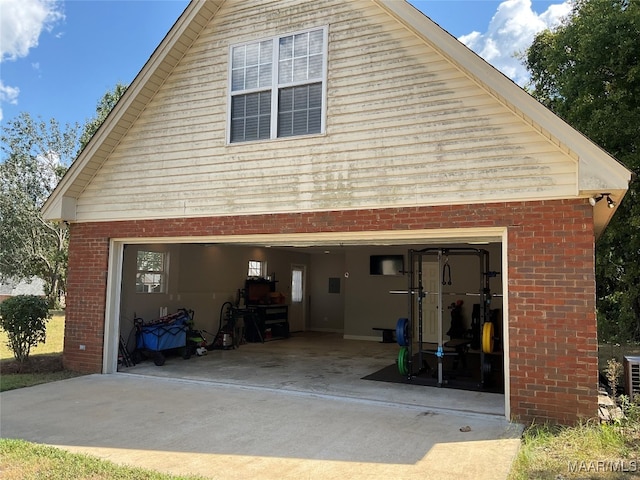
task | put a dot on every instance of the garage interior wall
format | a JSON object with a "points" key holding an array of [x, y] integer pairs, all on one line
{"points": [[202, 277]]}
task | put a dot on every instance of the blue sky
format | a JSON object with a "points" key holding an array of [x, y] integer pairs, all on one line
{"points": [[60, 57]]}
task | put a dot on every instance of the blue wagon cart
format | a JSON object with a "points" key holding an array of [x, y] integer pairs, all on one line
{"points": [[166, 333]]}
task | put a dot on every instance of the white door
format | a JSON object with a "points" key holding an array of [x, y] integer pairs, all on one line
{"points": [[297, 308], [430, 317]]}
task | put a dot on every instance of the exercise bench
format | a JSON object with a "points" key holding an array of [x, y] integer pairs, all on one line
{"points": [[388, 334]]}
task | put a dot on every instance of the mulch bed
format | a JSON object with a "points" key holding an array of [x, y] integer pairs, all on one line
{"points": [[34, 364]]}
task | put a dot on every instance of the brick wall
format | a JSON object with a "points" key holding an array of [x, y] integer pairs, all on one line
{"points": [[552, 325]]}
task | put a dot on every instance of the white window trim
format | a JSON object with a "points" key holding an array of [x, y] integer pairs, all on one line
{"points": [[164, 273], [263, 268], [275, 86]]}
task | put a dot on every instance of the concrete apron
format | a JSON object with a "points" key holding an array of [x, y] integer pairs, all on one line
{"points": [[242, 424], [190, 427], [320, 363]]}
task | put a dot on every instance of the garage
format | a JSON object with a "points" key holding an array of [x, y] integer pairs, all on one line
{"points": [[347, 292], [260, 135]]}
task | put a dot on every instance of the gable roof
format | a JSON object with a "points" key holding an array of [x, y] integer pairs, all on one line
{"points": [[598, 172]]}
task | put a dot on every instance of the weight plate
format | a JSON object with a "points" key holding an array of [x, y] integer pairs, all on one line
{"points": [[487, 337], [402, 332], [403, 361], [486, 367]]}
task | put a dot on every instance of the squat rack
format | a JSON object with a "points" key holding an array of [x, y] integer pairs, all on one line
{"points": [[416, 295]]}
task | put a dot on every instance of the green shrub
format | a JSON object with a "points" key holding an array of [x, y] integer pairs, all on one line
{"points": [[24, 318]]}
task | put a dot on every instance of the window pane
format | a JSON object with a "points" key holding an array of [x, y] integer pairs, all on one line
{"points": [[253, 51], [314, 121], [285, 74], [266, 51], [315, 67], [301, 45], [285, 124], [264, 127], [265, 75], [251, 79], [296, 286], [286, 100], [238, 57], [300, 98], [251, 128], [237, 106], [300, 122], [315, 95], [300, 69], [150, 261], [316, 43], [237, 130], [286, 48], [252, 105], [237, 80]]}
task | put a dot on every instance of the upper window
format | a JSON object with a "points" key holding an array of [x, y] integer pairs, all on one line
{"points": [[277, 87]]}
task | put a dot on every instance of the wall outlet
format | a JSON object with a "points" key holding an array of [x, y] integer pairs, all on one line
{"points": [[83, 347]]}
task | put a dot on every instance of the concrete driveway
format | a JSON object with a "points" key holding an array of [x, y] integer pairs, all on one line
{"points": [[231, 431]]}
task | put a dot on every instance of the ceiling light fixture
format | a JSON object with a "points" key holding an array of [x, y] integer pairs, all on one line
{"points": [[596, 198]]}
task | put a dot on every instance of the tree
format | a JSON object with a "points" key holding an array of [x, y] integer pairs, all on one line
{"points": [[588, 72], [36, 156], [104, 107]]}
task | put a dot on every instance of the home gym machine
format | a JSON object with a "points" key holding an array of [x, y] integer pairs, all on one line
{"points": [[481, 335]]}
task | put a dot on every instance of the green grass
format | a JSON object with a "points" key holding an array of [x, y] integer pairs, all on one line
{"points": [[20, 380], [43, 365], [53, 344], [22, 460], [587, 451]]}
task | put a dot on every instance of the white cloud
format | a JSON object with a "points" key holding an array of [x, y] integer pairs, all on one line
{"points": [[511, 32], [22, 22], [8, 94]]}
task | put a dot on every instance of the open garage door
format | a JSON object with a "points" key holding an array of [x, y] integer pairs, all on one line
{"points": [[347, 300]]}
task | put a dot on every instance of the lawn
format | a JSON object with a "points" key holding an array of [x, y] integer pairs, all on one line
{"points": [[24, 460], [44, 363]]}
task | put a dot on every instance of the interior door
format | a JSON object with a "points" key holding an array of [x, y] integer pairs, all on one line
{"points": [[297, 308], [430, 317]]}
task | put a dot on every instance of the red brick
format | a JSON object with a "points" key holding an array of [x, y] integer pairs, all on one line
{"points": [[551, 286]]}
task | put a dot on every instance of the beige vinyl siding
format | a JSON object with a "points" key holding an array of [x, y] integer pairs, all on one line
{"points": [[403, 128]]}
